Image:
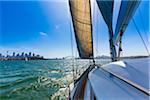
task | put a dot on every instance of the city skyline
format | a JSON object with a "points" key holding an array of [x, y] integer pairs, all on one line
{"points": [[44, 28], [22, 54]]}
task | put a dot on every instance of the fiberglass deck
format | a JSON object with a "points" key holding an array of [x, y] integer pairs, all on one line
{"points": [[109, 87]]}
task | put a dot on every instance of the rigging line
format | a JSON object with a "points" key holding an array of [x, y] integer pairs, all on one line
{"points": [[96, 11], [96, 30], [94, 21], [127, 18], [72, 49], [142, 21], [71, 38], [91, 32], [121, 31], [91, 23], [75, 60], [141, 37]]}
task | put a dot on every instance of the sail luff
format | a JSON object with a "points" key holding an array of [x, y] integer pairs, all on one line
{"points": [[90, 11], [81, 18], [106, 8], [126, 12]]}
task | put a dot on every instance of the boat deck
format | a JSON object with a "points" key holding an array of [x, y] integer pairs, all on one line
{"points": [[122, 80], [107, 86]]}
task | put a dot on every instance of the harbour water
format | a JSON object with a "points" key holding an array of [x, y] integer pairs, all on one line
{"points": [[36, 79]]}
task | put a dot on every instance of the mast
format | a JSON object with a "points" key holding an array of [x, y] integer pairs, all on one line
{"points": [[112, 47], [106, 8]]}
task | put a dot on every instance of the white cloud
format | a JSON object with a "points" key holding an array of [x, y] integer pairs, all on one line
{"points": [[43, 34]]}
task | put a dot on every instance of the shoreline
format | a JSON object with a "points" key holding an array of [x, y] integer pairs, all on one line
{"points": [[11, 59]]}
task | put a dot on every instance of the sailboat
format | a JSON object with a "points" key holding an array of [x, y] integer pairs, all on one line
{"points": [[127, 80]]}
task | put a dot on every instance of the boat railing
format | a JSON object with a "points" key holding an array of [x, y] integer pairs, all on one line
{"points": [[81, 70]]}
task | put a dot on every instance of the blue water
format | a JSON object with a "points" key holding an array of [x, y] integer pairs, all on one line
{"points": [[34, 80]]}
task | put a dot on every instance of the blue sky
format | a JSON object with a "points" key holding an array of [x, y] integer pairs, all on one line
{"points": [[43, 27]]}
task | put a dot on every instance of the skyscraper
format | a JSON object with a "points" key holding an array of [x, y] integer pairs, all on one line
{"points": [[13, 54], [33, 55], [0, 55], [22, 55], [29, 54]]}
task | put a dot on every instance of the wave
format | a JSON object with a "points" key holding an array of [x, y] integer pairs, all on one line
{"points": [[17, 82]]}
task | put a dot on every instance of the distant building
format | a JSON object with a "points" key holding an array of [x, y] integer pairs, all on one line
{"points": [[30, 54], [17, 55], [33, 55], [37, 55], [13, 54], [7, 54], [1, 56], [22, 54], [26, 55]]}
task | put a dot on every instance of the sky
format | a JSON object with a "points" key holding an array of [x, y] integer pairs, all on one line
{"points": [[44, 27]]}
